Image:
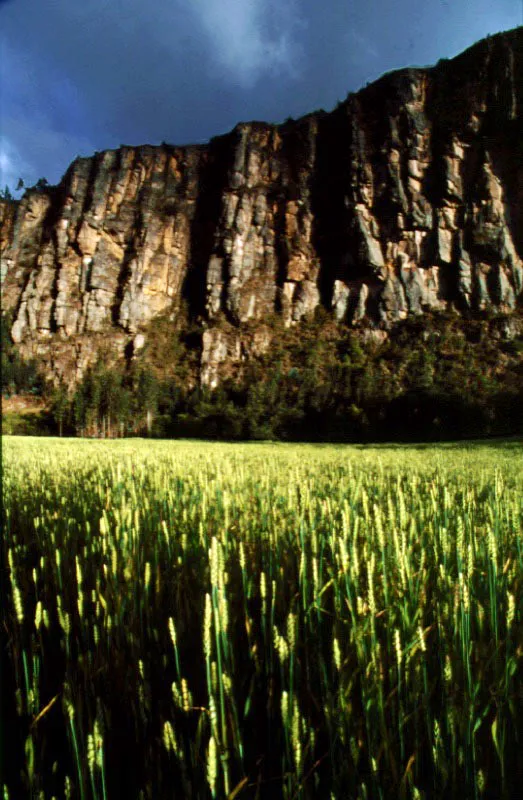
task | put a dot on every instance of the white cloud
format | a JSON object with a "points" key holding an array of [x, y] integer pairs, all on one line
{"points": [[33, 140], [251, 38], [12, 165], [39, 151]]}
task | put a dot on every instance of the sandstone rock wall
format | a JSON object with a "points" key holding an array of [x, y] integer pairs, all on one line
{"points": [[407, 197]]}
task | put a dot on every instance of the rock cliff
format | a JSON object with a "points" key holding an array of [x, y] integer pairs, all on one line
{"points": [[407, 197]]}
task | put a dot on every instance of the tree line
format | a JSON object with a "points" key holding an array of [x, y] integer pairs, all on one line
{"points": [[436, 377]]}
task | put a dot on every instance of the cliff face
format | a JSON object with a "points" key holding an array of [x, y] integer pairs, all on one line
{"points": [[407, 197]]}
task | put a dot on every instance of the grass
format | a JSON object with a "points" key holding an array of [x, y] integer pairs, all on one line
{"points": [[263, 620]]}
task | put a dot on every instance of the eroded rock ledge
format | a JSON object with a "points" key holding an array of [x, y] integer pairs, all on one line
{"points": [[407, 197]]}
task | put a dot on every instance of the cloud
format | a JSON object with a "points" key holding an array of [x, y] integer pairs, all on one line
{"points": [[39, 110], [76, 77], [12, 164], [32, 151], [251, 38]]}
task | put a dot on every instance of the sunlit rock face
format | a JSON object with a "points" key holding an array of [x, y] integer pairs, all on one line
{"points": [[407, 197]]}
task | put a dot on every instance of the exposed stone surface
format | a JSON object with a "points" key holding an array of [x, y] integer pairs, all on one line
{"points": [[407, 197]]}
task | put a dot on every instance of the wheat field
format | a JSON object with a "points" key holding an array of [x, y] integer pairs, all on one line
{"points": [[199, 620]]}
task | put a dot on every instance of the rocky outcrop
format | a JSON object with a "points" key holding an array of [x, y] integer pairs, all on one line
{"points": [[407, 197]]}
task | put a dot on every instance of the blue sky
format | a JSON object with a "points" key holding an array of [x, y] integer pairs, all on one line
{"points": [[83, 75]]}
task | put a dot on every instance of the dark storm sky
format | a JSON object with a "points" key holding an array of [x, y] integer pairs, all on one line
{"points": [[84, 75]]}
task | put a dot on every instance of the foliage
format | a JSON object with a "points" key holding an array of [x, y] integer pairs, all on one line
{"points": [[196, 620], [19, 376], [28, 424], [101, 404], [41, 185], [434, 378], [6, 194]]}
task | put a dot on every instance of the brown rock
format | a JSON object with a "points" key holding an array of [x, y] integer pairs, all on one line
{"points": [[406, 197]]}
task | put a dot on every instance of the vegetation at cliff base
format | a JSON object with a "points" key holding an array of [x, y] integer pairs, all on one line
{"points": [[19, 376], [434, 377], [261, 620]]}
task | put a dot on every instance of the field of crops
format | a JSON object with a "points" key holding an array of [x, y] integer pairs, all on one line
{"points": [[190, 620]]}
